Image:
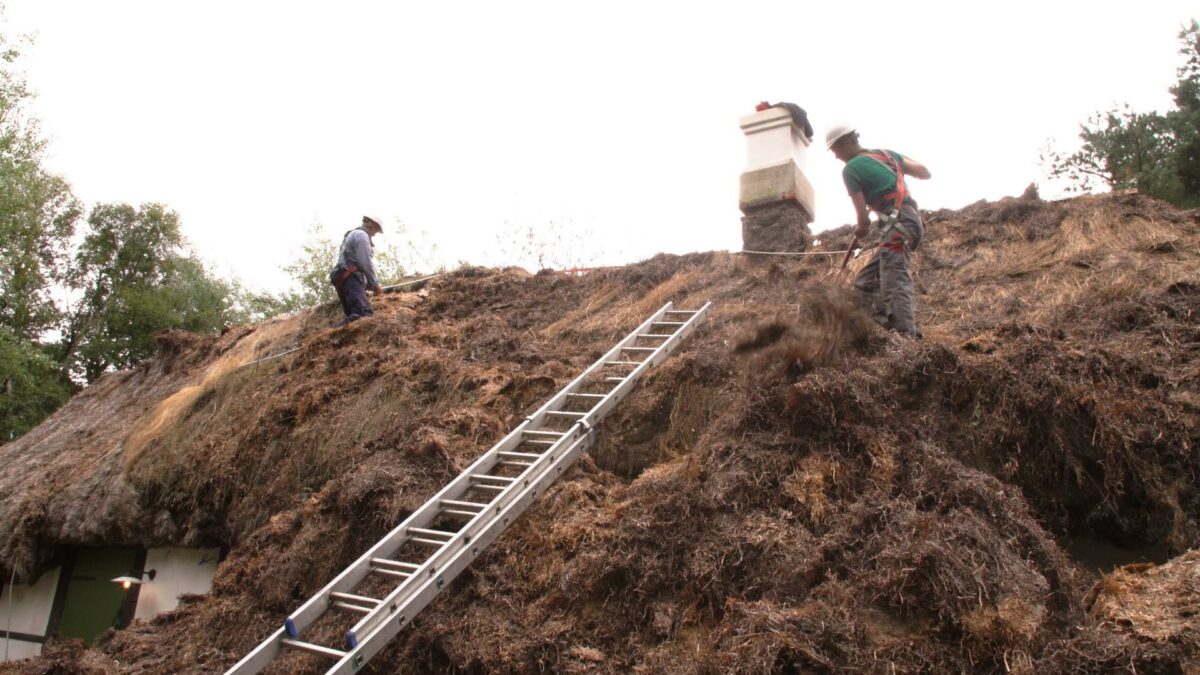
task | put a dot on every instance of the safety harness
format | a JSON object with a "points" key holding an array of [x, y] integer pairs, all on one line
{"points": [[338, 278], [889, 220], [892, 165]]}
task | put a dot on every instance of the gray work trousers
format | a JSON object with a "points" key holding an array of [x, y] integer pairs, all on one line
{"points": [[886, 281]]}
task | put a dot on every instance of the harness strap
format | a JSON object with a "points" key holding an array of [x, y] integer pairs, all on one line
{"points": [[346, 274], [340, 279], [892, 165]]}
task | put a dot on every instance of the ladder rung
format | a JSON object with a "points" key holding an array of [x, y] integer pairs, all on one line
{"points": [[431, 533], [352, 608], [514, 462], [497, 479], [503, 453], [313, 649], [384, 562], [476, 505], [390, 573], [487, 498], [350, 597]]}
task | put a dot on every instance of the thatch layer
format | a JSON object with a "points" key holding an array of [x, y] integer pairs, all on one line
{"points": [[792, 491]]}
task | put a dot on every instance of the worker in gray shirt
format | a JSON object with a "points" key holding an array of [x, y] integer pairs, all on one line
{"points": [[355, 271]]}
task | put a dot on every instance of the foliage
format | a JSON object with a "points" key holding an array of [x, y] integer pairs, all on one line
{"points": [[37, 220], [30, 387], [309, 271], [1157, 154], [37, 213], [75, 308], [134, 277], [1185, 119], [1122, 149]]}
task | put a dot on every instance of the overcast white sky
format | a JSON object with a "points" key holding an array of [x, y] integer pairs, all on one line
{"points": [[255, 120]]}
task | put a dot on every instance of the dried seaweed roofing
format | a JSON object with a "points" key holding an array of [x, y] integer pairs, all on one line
{"points": [[791, 491]]}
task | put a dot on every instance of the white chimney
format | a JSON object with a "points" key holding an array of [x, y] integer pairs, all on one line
{"points": [[775, 197], [772, 138]]}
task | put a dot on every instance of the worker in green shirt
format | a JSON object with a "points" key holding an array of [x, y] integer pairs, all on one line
{"points": [[875, 181]]}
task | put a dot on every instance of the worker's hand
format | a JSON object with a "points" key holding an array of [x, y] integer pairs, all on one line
{"points": [[378, 289], [862, 231]]}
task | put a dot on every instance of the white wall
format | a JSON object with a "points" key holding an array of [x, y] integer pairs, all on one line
{"points": [[30, 613], [177, 571], [19, 649]]}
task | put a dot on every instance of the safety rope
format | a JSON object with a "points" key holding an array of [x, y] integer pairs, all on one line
{"points": [[268, 358], [796, 253]]}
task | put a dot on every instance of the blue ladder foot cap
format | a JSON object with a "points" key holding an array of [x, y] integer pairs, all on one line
{"points": [[351, 639], [290, 627]]}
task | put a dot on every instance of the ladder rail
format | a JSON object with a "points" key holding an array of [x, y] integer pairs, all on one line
{"points": [[435, 564], [354, 574], [450, 557], [622, 389], [383, 631], [556, 401]]}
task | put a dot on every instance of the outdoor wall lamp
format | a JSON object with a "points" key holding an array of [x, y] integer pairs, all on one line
{"points": [[128, 581]]}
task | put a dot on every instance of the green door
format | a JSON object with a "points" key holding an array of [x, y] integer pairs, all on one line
{"points": [[93, 602]]}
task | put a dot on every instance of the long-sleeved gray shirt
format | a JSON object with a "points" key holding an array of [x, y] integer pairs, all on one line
{"points": [[356, 250]]}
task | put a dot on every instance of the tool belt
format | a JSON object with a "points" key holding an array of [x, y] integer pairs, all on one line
{"points": [[339, 275]]}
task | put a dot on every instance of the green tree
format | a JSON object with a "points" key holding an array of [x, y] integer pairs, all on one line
{"points": [[1185, 119], [129, 278], [1158, 154], [1122, 149], [309, 271], [37, 212], [37, 220], [30, 385], [133, 277]]}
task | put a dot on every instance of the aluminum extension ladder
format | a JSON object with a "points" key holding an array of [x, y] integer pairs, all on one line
{"points": [[423, 554]]}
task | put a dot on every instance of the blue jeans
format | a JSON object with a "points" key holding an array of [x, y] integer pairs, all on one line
{"points": [[353, 294]]}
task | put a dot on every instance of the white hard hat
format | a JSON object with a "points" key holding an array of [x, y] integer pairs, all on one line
{"points": [[378, 221], [835, 132]]}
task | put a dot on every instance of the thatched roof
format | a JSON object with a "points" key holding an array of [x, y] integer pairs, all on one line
{"points": [[64, 481], [793, 489]]}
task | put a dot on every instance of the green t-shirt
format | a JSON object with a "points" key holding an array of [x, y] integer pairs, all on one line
{"points": [[870, 177]]}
